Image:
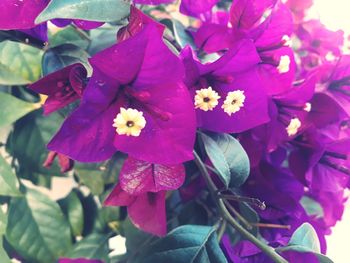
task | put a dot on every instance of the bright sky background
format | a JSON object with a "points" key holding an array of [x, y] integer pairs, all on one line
{"points": [[335, 15]]}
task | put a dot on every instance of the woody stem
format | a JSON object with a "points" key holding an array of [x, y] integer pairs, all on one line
{"points": [[269, 251]]}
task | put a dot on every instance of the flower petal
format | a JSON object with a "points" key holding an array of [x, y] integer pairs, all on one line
{"points": [[20, 14], [62, 87], [118, 197], [196, 8], [148, 213], [138, 177], [253, 113], [87, 134]]}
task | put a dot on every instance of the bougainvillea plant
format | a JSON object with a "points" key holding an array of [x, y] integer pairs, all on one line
{"points": [[200, 131]]}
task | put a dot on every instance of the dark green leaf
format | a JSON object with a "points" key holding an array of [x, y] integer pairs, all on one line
{"points": [[8, 180], [135, 238], [92, 179], [19, 63], [37, 228], [34, 131], [228, 157], [189, 243], [18, 36], [193, 213], [62, 56], [91, 10], [94, 246], [73, 208], [217, 157], [12, 108]]}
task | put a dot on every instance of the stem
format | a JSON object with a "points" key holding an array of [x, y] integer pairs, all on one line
{"points": [[238, 215], [271, 225], [269, 251], [221, 230], [253, 201]]}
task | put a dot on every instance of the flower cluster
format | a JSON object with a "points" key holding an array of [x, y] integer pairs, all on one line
{"points": [[259, 71]]}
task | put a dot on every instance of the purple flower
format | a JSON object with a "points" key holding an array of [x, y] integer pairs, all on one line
{"points": [[21, 15], [137, 177], [316, 38], [288, 113], [86, 25], [335, 81], [18, 14], [146, 210], [38, 32], [146, 103], [271, 36], [62, 87], [320, 161], [64, 162], [227, 93], [142, 189], [137, 20], [299, 8], [196, 8]]}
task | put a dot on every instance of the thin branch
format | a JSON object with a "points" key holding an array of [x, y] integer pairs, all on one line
{"points": [[269, 251], [238, 215], [253, 201]]}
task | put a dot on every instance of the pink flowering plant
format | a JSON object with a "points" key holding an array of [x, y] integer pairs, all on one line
{"points": [[199, 131]]}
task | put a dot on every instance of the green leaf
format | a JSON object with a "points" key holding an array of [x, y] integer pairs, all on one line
{"points": [[92, 179], [73, 208], [37, 228], [135, 239], [8, 180], [312, 207], [182, 37], [305, 240], [3, 255], [70, 35], [12, 108], [34, 131], [3, 222], [228, 157], [20, 64], [189, 243], [102, 38], [306, 236], [94, 246], [91, 10], [62, 56]]}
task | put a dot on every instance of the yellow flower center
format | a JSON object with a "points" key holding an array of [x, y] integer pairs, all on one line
{"points": [[293, 126], [234, 102], [283, 66], [129, 122], [206, 99]]}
